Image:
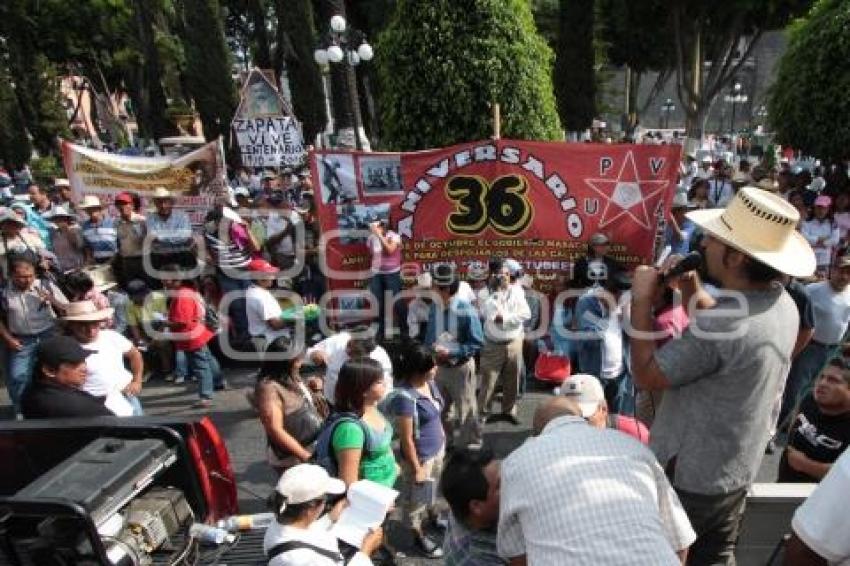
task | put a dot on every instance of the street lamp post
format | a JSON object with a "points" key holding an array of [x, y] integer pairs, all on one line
{"points": [[666, 109], [342, 49], [736, 97]]}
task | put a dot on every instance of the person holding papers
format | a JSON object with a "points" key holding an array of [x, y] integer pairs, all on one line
{"points": [[302, 534]]}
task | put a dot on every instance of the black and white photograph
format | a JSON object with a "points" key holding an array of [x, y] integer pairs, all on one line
{"points": [[381, 175], [336, 176], [353, 220]]}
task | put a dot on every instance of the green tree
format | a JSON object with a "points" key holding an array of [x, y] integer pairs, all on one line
{"points": [[440, 64], [724, 34], [208, 66], [575, 73], [809, 98], [15, 147]]}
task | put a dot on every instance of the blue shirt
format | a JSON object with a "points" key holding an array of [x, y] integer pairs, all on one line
{"points": [[172, 232], [431, 435], [460, 319], [101, 239]]}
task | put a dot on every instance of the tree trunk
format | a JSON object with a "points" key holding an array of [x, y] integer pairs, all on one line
{"points": [[262, 49]]}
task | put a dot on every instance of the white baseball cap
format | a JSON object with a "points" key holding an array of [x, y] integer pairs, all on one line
{"points": [[586, 390], [306, 482]]}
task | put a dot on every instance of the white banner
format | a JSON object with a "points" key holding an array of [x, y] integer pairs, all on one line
{"points": [[269, 142]]}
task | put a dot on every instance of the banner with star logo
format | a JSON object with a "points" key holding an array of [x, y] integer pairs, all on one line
{"points": [[536, 202]]}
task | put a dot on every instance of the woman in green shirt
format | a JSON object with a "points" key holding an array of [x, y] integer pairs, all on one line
{"points": [[363, 452]]}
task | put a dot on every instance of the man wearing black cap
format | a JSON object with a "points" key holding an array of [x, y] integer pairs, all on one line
{"points": [[597, 253], [60, 369]]}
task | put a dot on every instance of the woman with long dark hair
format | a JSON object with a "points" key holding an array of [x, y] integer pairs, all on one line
{"points": [[416, 405], [287, 410], [363, 450]]}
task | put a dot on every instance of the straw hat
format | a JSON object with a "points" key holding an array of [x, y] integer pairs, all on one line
{"points": [[161, 193], [9, 215], [58, 211], [763, 226], [90, 201], [61, 183], [102, 277], [85, 311], [768, 184], [740, 178]]}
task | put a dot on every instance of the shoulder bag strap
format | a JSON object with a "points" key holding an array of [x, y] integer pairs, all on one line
{"points": [[283, 547]]}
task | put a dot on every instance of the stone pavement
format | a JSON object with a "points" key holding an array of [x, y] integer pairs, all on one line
{"points": [[238, 424]]}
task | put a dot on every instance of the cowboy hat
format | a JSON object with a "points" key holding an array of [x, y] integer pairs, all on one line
{"points": [[768, 184], [161, 193], [58, 211], [61, 183], [101, 276], [85, 311], [90, 201], [763, 226], [741, 178], [9, 215]]}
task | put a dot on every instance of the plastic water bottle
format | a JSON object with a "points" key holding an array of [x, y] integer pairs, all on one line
{"points": [[246, 522], [209, 534]]}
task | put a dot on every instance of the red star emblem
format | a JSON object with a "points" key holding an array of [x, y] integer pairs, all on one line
{"points": [[628, 195]]}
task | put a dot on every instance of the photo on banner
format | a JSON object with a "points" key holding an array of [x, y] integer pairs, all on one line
{"points": [[536, 202]]}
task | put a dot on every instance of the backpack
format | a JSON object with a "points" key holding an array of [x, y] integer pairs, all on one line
{"points": [[324, 454], [385, 406]]}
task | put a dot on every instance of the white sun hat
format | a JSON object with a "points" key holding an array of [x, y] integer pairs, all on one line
{"points": [[763, 226]]}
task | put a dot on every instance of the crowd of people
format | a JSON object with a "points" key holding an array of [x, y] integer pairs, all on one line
{"points": [[681, 380]]}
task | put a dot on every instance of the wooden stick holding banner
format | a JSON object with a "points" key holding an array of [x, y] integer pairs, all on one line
{"points": [[497, 121]]}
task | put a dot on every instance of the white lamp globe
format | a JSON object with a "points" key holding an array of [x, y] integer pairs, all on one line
{"points": [[320, 56], [353, 58], [365, 52], [338, 23], [335, 54]]}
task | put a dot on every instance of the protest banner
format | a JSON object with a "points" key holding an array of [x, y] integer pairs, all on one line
{"points": [[266, 132], [195, 179], [536, 202]]}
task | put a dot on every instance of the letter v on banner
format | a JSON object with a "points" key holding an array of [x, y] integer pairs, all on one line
{"points": [[559, 194]]}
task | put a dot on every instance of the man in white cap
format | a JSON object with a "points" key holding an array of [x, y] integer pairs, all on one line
{"points": [[171, 232], [588, 393], [301, 534], [723, 375], [99, 232]]}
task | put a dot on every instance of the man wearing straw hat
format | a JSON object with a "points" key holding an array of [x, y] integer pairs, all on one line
{"points": [[171, 232], [722, 376], [99, 235]]}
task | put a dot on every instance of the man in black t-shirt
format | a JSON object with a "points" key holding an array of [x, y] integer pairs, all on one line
{"points": [[821, 429], [60, 369]]}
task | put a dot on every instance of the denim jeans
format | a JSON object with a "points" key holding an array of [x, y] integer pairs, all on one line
{"points": [[237, 310], [381, 285], [203, 366], [21, 365]]}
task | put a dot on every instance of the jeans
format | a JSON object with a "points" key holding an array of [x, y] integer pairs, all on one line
{"points": [[237, 311], [181, 364], [381, 285], [203, 366], [21, 366]]}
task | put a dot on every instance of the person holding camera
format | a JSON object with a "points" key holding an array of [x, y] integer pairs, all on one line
{"points": [[302, 533], [28, 305]]}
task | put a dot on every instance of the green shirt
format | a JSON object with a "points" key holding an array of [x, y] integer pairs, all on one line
{"points": [[377, 464]]}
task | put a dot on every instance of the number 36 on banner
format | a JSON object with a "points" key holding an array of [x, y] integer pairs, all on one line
{"points": [[503, 205]]}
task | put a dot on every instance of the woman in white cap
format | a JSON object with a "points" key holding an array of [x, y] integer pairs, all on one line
{"points": [[302, 535], [106, 374]]}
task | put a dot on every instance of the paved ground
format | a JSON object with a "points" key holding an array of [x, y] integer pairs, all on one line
{"points": [[245, 440]]}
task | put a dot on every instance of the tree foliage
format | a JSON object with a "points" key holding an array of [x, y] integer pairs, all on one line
{"points": [[208, 66], [15, 147], [441, 63], [809, 99], [575, 74]]}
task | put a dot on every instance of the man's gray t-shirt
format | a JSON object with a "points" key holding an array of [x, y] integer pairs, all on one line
{"points": [[715, 418]]}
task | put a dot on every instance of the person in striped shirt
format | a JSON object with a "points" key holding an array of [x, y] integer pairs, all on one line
{"points": [[100, 238]]}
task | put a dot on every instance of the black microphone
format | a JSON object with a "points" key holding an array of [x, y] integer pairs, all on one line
{"points": [[690, 262]]}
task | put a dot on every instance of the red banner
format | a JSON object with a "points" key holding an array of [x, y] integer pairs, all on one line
{"points": [[536, 202]]}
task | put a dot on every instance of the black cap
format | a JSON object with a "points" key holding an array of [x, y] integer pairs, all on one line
{"points": [[60, 350], [137, 287], [443, 275]]}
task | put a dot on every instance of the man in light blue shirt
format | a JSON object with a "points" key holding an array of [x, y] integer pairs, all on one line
{"points": [[170, 233]]}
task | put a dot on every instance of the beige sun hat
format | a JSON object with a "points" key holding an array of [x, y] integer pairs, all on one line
{"points": [[102, 277], [768, 184], [9, 215], [90, 201], [161, 192], [85, 311], [763, 226]]}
